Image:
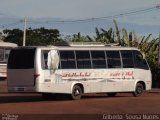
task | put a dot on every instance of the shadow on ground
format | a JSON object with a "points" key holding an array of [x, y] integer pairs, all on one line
{"points": [[17, 98]]}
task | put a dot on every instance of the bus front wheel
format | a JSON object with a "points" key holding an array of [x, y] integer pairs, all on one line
{"points": [[138, 90], [76, 92]]}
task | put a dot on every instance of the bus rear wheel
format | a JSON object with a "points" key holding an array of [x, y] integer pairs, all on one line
{"points": [[76, 92], [138, 90]]}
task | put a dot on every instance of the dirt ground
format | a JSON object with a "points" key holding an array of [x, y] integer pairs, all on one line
{"points": [[27, 106], [3, 86]]}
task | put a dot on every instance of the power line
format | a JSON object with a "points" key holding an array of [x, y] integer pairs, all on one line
{"points": [[129, 13], [133, 12]]}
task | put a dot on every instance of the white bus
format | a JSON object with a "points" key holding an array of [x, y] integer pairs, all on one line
{"points": [[5, 48], [76, 70]]}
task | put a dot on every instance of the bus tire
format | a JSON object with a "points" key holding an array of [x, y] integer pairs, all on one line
{"points": [[138, 90], [112, 94], [76, 92]]}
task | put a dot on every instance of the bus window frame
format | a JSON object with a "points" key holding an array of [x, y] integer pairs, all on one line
{"points": [[121, 52], [145, 65]]}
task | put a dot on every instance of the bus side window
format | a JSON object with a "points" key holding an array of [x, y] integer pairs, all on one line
{"points": [[83, 59], [7, 51], [98, 59], [1, 55], [44, 59], [113, 59], [67, 59], [127, 59], [139, 62]]}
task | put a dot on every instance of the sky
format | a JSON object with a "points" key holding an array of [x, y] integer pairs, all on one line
{"points": [[43, 13]]}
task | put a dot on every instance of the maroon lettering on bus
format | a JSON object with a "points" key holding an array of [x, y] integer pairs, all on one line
{"points": [[75, 74], [126, 73]]}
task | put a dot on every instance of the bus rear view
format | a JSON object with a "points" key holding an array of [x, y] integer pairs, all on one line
{"points": [[20, 72]]}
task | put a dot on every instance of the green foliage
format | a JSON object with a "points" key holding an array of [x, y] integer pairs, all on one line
{"points": [[39, 37], [15, 36], [104, 36], [1, 37], [125, 38], [117, 32], [42, 36], [79, 38]]}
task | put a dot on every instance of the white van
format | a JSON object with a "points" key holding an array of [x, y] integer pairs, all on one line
{"points": [[76, 70]]}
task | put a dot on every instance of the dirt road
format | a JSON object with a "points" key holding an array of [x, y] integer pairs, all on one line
{"points": [[92, 104]]}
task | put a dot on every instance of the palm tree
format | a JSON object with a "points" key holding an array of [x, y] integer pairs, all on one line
{"points": [[117, 32], [104, 36], [79, 38]]}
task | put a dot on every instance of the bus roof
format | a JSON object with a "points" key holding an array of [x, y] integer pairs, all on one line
{"points": [[96, 48], [7, 44], [83, 47]]}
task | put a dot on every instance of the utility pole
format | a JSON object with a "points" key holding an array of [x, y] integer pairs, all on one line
{"points": [[158, 7], [24, 33], [159, 51]]}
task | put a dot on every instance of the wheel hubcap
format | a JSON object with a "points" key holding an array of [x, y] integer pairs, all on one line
{"points": [[139, 90], [77, 92]]}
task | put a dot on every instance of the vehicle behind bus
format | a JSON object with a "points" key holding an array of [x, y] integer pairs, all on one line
{"points": [[78, 70], [5, 48]]}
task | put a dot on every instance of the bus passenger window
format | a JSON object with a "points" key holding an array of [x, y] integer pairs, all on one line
{"points": [[127, 58], [139, 62], [7, 51], [98, 59], [45, 59], [83, 59], [67, 59], [1, 55], [113, 59]]}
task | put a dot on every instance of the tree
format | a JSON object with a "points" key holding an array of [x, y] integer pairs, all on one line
{"points": [[125, 40], [104, 36], [117, 32], [42, 36], [36, 37], [14, 36], [79, 38], [1, 36]]}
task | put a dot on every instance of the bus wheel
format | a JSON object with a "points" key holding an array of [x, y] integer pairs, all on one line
{"points": [[138, 90], [111, 94], [76, 92]]}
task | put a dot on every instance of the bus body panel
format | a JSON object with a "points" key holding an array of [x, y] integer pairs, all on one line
{"points": [[5, 48], [145, 76], [3, 70]]}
